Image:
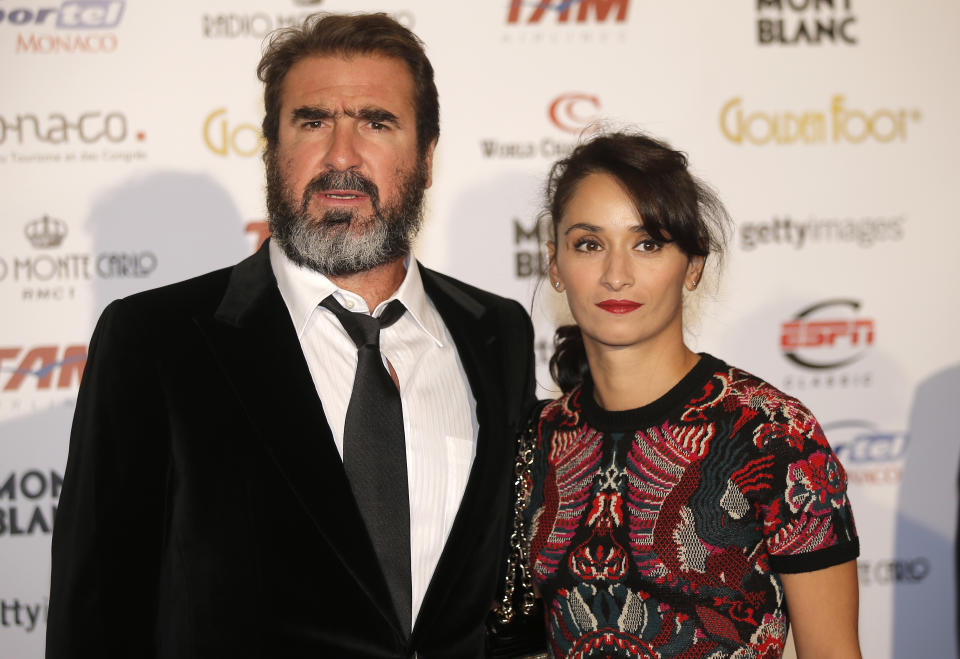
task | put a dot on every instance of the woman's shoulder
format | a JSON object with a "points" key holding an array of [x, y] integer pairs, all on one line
{"points": [[772, 416]]}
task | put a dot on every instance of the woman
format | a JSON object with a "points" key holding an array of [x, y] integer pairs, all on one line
{"points": [[677, 506]]}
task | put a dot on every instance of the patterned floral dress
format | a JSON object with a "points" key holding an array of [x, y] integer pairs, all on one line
{"points": [[661, 531]]}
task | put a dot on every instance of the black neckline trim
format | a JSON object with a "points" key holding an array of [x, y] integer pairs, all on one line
{"points": [[650, 414]]}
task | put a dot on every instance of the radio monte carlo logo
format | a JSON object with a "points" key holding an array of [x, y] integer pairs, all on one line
{"points": [[73, 27]]}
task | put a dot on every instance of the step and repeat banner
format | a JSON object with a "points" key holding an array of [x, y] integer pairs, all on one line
{"points": [[130, 158]]}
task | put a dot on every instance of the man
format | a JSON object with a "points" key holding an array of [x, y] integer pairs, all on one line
{"points": [[219, 500]]}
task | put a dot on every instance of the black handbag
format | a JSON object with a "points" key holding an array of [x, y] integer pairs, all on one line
{"points": [[517, 626]]}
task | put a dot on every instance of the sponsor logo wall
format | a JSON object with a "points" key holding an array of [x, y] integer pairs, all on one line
{"points": [[130, 151]]}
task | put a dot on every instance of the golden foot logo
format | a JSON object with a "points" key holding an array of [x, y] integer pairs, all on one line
{"points": [[836, 124]]}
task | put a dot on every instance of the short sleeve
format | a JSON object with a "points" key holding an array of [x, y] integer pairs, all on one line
{"points": [[807, 519]]}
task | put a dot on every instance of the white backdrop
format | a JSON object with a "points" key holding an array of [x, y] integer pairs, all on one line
{"points": [[129, 157]]}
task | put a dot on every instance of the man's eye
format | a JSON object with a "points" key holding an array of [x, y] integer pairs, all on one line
{"points": [[316, 123], [377, 126]]}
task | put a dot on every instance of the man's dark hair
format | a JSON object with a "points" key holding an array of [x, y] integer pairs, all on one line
{"points": [[347, 35]]}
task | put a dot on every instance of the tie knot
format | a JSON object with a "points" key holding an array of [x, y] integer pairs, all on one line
{"points": [[364, 329]]}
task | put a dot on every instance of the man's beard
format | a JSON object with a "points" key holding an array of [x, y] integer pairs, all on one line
{"points": [[326, 243]]}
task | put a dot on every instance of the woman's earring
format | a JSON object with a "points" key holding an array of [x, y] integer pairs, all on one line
{"points": [[556, 285], [693, 284]]}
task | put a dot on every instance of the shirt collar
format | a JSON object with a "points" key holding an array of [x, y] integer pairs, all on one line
{"points": [[304, 289]]}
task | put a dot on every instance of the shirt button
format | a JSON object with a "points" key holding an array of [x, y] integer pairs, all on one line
{"points": [[348, 304]]}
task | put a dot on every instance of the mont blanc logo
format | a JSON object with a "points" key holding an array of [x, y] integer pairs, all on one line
{"points": [[45, 232]]}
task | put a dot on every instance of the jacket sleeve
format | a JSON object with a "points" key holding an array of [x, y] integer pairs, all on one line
{"points": [[108, 533]]}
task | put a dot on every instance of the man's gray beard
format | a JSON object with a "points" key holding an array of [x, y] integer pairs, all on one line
{"points": [[327, 244]]}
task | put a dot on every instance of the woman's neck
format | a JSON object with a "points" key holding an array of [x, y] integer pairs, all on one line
{"points": [[627, 378]]}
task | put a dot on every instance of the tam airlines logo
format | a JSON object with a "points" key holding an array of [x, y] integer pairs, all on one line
{"points": [[829, 334], [572, 112], [42, 367], [838, 124], [532, 12]]}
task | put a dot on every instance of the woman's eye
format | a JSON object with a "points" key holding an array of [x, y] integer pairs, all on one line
{"points": [[649, 245], [586, 245]]}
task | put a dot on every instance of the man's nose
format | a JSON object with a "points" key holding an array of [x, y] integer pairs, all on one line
{"points": [[343, 153]]}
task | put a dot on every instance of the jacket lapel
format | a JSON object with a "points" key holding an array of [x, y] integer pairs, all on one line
{"points": [[254, 342], [475, 337]]}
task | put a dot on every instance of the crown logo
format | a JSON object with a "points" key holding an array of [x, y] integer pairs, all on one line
{"points": [[45, 232]]}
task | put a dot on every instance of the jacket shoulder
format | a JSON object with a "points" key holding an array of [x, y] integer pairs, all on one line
{"points": [[201, 293], [468, 294]]}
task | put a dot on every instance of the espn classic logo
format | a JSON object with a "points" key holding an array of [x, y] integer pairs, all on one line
{"points": [[828, 334], [824, 340]]}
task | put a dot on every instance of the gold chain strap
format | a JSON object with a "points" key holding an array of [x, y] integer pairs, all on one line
{"points": [[517, 557]]}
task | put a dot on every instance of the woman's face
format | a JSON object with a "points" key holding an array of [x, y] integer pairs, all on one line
{"points": [[624, 288]]}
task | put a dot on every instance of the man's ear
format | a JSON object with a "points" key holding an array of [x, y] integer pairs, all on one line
{"points": [[428, 162]]}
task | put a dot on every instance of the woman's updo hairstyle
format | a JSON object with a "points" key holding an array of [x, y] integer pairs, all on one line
{"points": [[675, 207]]}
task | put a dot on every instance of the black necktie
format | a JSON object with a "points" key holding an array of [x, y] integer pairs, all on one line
{"points": [[374, 454]]}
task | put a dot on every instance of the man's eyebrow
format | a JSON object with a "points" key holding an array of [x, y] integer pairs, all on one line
{"points": [[311, 113], [373, 113]]}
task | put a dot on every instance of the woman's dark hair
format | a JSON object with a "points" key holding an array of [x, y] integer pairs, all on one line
{"points": [[675, 207], [346, 35]]}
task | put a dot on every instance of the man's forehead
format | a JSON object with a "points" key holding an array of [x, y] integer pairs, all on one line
{"points": [[353, 79]]}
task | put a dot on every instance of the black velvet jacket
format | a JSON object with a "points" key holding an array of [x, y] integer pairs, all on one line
{"points": [[205, 511]]}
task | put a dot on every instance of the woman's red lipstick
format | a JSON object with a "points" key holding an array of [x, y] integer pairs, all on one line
{"points": [[619, 306]]}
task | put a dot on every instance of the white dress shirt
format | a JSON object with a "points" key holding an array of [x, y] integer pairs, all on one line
{"points": [[439, 410]]}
